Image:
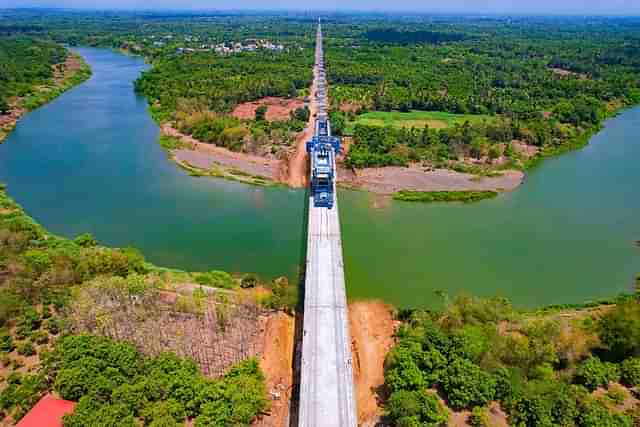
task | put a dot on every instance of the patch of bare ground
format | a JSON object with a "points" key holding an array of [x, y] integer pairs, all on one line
{"points": [[277, 364], [372, 326], [629, 402], [391, 179], [567, 73], [216, 329], [277, 108], [206, 156], [496, 417], [524, 149], [350, 107], [70, 66]]}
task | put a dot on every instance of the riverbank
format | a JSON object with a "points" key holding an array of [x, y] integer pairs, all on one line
{"points": [[393, 179], [202, 159], [74, 71]]}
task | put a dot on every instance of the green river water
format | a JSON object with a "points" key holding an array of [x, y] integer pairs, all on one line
{"points": [[89, 162]]}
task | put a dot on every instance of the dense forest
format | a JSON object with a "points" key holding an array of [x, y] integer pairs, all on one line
{"points": [[24, 64], [540, 85], [547, 84], [32, 73], [550, 368]]}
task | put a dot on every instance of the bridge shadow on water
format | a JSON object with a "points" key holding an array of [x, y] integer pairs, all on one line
{"points": [[294, 411]]}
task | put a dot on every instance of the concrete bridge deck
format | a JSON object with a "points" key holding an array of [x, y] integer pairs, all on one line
{"points": [[326, 387]]}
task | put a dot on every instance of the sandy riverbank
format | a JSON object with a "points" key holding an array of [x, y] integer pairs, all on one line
{"points": [[392, 179]]}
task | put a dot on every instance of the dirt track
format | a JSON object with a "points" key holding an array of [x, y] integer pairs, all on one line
{"points": [[298, 166]]}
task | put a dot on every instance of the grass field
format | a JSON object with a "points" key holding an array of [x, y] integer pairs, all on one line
{"points": [[415, 119]]}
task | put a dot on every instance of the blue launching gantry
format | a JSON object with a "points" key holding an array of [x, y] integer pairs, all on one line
{"points": [[322, 149]]}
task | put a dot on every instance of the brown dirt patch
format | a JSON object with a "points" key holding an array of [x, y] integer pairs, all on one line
{"points": [[372, 334], [277, 108], [350, 107], [496, 416], [524, 149], [566, 73], [277, 364], [389, 180]]}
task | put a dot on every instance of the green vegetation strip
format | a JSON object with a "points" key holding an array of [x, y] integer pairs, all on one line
{"points": [[443, 196]]}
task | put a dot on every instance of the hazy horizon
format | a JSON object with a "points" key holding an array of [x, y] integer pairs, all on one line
{"points": [[540, 7]]}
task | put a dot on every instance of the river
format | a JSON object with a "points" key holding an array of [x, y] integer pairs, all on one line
{"points": [[89, 162]]}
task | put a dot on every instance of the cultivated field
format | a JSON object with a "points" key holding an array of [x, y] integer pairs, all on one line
{"points": [[416, 119]]}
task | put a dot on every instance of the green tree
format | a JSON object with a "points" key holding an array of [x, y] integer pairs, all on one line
{"points": [[466, 385], [261, 113], [593, 373], [593, 413], [416, 408], [4, 105], [630, 370], [619, 330]]}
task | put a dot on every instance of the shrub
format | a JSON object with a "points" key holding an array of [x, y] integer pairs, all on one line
{"points": [[23, 392], [249, 280], [466, 385], [619, 330], [617, 395], [10, 306], [415, 408], [478, 417], [53, 325], [630, 370], [593, 373], [402, 371], [261, 113], [28, 322], [166, 411], [217, 279], [26, 349], [595, 414], [85, 240], [40, 337], [6, 342]]}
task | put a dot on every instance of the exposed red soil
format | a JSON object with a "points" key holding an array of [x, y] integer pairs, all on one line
{"points": [[277, 108], [277, 364], [295, 170], [372, 334]]}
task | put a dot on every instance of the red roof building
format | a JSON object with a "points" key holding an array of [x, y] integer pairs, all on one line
{"points": [[48, 412]]}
